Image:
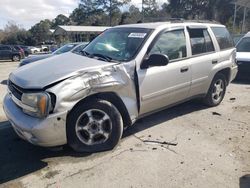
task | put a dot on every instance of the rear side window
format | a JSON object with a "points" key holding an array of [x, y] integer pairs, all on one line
{"points": [[223, 37], [4, 48], [200, 41], [16, 47], [172, 44]]}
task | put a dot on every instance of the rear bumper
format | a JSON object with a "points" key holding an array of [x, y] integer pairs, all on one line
{"points": [[50, 131]]}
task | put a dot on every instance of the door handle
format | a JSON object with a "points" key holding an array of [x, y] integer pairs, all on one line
{"points": [[214, 62], [184, 69]]}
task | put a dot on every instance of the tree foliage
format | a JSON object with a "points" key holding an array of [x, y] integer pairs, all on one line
{"points": [[60, 20], [14, 34], [41, 31]]}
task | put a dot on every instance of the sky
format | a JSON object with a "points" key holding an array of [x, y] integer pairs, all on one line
{"points": [[26, 13]]}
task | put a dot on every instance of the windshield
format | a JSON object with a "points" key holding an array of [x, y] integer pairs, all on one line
{"points": [[119, 44], [244, 45], [64, 49]]}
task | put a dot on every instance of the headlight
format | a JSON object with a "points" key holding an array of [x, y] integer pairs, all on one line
{"points": [[36, 104]]}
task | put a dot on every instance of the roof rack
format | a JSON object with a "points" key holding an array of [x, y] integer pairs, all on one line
{"points": [[182, 20], [203, 21]]}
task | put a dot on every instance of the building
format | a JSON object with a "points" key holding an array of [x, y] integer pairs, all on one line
{"points": [[63, 34]]}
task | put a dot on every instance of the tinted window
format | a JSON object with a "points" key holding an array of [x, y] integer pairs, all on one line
{"points": [[244, 45], [64, 49], [172, 44], [16, 48], [4, 48], [200, 41], [79, 48], [223, 37]]}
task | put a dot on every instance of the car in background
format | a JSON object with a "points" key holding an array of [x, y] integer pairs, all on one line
{"points": [[26, 49], [237, 37], [34, 50], [9, 52], [74, 47], [243, 57], [17, 47]]}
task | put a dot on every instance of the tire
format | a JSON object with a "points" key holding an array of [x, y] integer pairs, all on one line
{"points": [[16, 58], [216, 91], [94, 126]]}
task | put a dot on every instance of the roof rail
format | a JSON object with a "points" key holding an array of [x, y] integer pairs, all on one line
{"points": [[203, 21], [180, 20]]}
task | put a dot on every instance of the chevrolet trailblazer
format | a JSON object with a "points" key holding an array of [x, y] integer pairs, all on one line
{"points": [[86, 100]]}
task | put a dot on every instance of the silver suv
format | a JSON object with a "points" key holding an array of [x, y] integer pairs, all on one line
{"points": [[86, 100]]}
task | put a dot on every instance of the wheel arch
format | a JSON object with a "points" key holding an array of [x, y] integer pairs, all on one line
{"points": [[227, 73], [112, 98]]}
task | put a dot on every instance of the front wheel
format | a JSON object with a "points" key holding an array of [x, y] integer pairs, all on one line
{"points": [[94, 126], [216, 91]]}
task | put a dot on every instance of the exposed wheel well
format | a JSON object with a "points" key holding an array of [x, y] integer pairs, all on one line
{"points": [[226, 72], [115, 100]]}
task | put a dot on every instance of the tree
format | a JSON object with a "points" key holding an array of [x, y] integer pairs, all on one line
{"points": [[88, 13], [14, 34], [1, 35], [150, 9], [60, 20], [219, 10], [132, 16], [110, 7], [41, 31]]}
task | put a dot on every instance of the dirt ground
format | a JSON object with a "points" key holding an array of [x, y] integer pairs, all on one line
{"points": [[211, 148]]}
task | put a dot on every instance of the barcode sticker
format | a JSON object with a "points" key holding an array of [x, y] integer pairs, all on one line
{"points": [[137, 35]]}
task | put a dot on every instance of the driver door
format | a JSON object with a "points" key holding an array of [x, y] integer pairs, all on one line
{"points": [[160, 86]]}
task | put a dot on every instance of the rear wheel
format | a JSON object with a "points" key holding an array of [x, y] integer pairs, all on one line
{"points": [[16, 58], [216, 91], [94, 126]]}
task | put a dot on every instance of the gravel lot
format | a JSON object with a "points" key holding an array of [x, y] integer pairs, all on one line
{"points": [[213, 150]]}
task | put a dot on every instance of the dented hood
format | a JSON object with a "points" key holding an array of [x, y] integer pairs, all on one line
{"points": [[54, 69]]}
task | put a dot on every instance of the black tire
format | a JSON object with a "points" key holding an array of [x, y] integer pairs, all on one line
{"points": [[210, 99], [79, 111], [16, 58]]}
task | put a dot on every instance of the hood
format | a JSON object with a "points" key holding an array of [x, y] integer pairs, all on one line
{"points": [[34, 58], [243, 56], [54, 69]]}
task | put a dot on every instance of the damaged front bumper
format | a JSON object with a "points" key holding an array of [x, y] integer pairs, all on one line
{"points": [[48, 132]]}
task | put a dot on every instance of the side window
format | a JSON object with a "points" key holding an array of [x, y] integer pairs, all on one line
{"points": [[79, 48], [200, 41], [223, 37], [5, 48], [172, 44]]}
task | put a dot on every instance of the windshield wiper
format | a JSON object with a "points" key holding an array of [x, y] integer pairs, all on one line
{"points": [[83, 52], [101, 56]]}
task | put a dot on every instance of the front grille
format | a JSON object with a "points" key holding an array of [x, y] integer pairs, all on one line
{"points": [[15, 90]]}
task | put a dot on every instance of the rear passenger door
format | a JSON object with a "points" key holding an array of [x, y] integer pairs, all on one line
{"points": [[202, 60]]}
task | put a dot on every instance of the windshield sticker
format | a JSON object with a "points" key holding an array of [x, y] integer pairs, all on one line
{"points": [[137, 35]]}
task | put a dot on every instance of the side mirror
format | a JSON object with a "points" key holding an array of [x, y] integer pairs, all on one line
{"points": [[155, 60]]}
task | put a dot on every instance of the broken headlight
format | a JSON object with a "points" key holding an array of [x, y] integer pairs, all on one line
{"points": [[36, 104]]}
